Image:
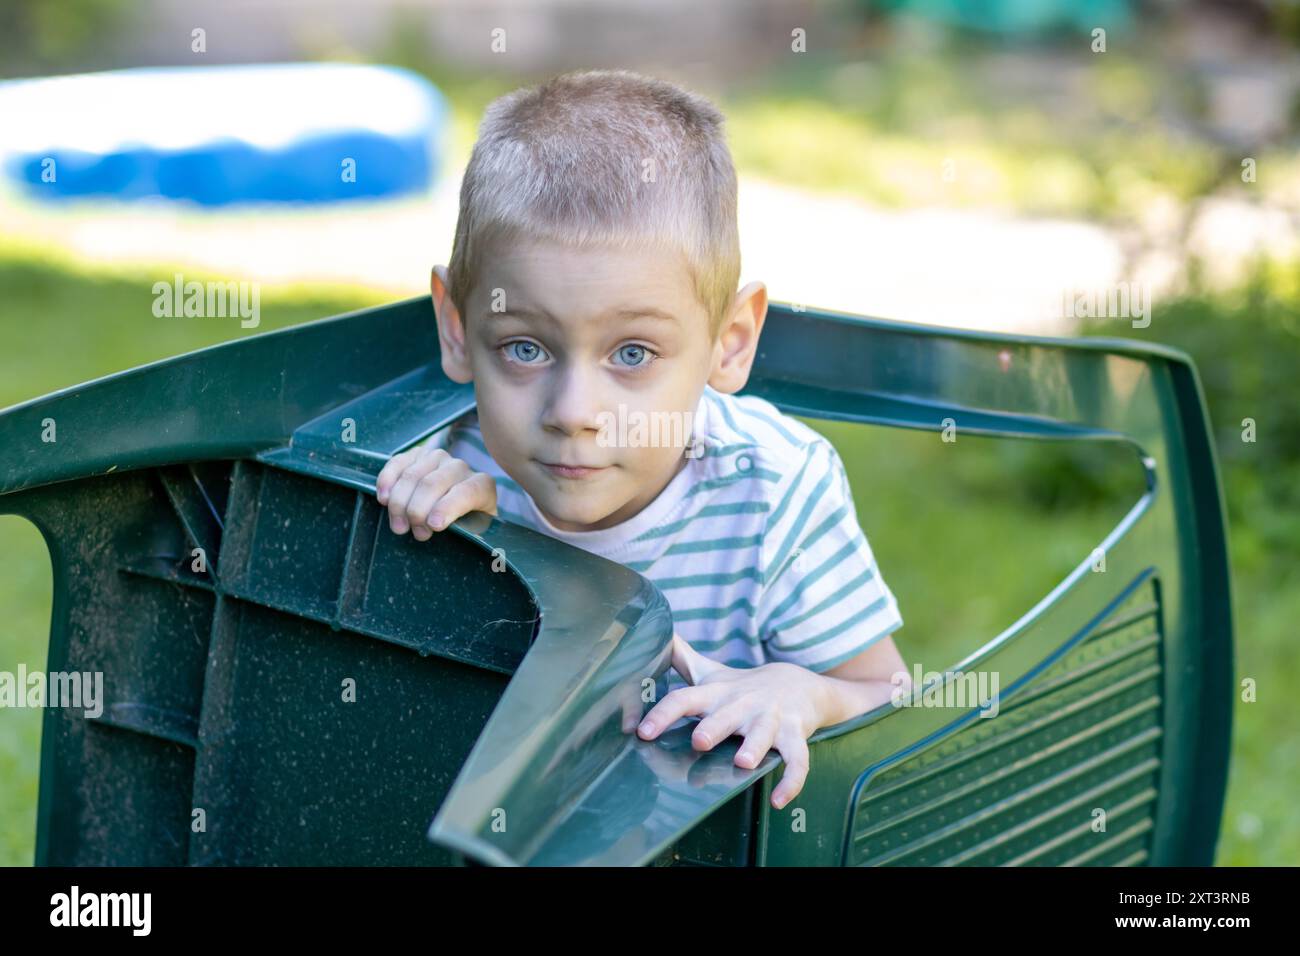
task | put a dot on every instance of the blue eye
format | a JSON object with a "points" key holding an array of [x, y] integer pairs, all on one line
{"points": [[524, 352], [633, 355]]}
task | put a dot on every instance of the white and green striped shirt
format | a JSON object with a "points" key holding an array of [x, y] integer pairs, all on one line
{"points": [[755, 544]]}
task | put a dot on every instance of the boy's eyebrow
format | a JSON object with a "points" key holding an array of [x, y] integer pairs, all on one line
{"points": [[518, 312], [649, 312], [646, 312]]}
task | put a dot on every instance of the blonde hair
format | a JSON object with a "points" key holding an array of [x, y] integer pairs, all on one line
{"points": [[603, 157]]}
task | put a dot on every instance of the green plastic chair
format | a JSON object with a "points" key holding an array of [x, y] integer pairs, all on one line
{"points": [[277, 691]]}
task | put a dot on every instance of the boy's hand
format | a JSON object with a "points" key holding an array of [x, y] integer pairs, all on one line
{"points": [[775, 704], [425, 490]]}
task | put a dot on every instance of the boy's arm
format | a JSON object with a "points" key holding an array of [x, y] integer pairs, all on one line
{"points": [[864, 682]]}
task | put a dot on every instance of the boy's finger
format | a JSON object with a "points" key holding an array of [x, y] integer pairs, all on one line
{"points": [[680, 703], [431, 490], [393, 468], [758, 741], [631, 712], [794, 750], [721, 724], [404, 488], [404, 484], [682, 660], [388, 475], [475, 493], [690, 663]]}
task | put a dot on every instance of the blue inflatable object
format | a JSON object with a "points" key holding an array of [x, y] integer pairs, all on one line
{"points": [[310, 133]]}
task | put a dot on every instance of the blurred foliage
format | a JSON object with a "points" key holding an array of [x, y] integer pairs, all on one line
{"points": [[1246, 346], [1040, 129], [1053, 475], [885, 129], [1286, 18], [49, 36]]}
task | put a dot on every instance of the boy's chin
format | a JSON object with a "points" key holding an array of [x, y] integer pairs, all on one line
{"points": [[569, 515]]}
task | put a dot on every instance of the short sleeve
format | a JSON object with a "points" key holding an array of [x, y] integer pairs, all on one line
{"points": [[439, 439], [823, 600], [447, 436]]}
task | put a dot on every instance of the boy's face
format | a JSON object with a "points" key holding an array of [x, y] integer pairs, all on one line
{"points": [[555, 336]]}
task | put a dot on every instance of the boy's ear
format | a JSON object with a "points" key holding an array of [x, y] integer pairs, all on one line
{"points": [[451, 329], [733, 353]]}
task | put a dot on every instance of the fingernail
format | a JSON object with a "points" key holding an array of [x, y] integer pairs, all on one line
{"points": [[745, 755], [646, 727], [436, 521], [400, 526]]}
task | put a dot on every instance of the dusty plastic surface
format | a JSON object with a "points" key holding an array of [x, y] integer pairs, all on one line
{"points": [[496, 671]]}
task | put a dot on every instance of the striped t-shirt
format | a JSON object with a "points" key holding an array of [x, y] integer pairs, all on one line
{"points": [[755, 543]]}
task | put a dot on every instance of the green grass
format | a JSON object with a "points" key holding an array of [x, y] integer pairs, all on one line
{"points": [[25, 596], [957, 533], [59, 327], [887, 129], [1261, 826]]}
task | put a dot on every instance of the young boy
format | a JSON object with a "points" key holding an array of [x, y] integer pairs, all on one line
{"points": [[592, 289]]}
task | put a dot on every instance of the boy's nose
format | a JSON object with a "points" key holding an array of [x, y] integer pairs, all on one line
{"points": [[572, 406]]}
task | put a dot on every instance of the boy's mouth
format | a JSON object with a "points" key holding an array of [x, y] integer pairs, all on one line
{"points": [[571, 471]]}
